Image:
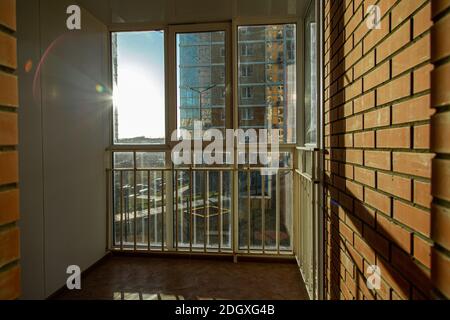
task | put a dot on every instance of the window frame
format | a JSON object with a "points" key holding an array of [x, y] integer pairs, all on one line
{"points": [[143, 146], [173, 30], [265, 21]]}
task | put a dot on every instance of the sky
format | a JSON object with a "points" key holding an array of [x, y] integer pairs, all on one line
{"points": [[139, 95]]}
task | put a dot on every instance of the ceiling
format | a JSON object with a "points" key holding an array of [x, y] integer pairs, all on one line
{"points": [[129, 12]]}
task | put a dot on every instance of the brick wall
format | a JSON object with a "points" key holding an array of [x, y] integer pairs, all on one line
{"points": [[9, 194], [377, 140], [440, 141]]}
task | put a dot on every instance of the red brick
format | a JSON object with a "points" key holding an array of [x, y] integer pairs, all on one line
{"points": [[378, 159], [403, 10], [364, 65], [354, 156], [9, 95], [376, 77], [441, 179], [422, 193], [422, 80], [9, 206], [365, 249], [441, 225], [365, 176], [412, 56], [439, 33], [418, 276], [422, 251], [375, 35], [364, 139], [393, 278], [417, 164], [8, 129], [377, 200], [376, 241], [377, 118], [394, 138], [394, 90], [440, 126], [412, 110], [441, 271], [413, 217], [9, 172], [10, 282], [396, 40], [394, 233], [365, 102], [8, 13], [9, 246], [422, 20], [422, 137], [395, 185], [440, 82], [8, 53], [365, 213]]}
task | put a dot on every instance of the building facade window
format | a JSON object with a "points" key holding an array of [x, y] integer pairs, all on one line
{"points": [[273, 85]]}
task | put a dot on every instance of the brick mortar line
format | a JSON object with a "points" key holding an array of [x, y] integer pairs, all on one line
{"points": [[379, 64], [365, 130], [407, 228], [390, 79], [379, 106], [388, 34], [8, 30], [9, 265], [364, 55]]}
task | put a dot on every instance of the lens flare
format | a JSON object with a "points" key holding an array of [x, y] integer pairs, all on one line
{"points": [[28, 66], [99, 88]]}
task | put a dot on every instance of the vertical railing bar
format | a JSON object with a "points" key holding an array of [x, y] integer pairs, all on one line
{"points": [[162, 209], [277, 190], [148, 211], [121, 210], [248, 210], [263, 212], [205, 210], [176, 210], [220, 209], [134, 203], [190, 208]]}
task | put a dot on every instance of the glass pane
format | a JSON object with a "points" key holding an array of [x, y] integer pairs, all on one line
{"points": [[182, 209], [201, 80], [123, 160], [138, 87], [310, 78], [148, 160], [267, 79]]}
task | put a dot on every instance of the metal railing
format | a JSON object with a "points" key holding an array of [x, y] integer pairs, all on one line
{"points": [[218, 210]]}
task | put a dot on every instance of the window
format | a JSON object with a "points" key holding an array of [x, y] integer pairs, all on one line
{"points": [[246, 70], [222, 51], [274, 78], [310, 111], [201, 75], [247, 114], [246, 50], [138, 87], [247, 93]]}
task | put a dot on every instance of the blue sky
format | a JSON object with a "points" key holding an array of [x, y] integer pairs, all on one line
{"points": [[140, 94]]}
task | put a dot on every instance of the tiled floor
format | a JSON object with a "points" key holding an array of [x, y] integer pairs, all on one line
{"points": [[120, 277]]}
